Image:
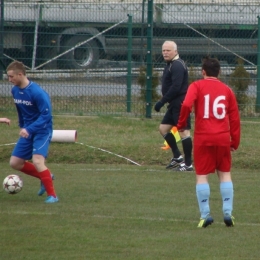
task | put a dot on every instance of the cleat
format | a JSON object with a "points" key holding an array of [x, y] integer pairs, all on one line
{"points": [[204, 222], [175, 162], [51, 199], [184, 168], [229, 220], [42, 189]]}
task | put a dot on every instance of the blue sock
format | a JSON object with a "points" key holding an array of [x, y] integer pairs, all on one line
{"points": [[203, 193], [227, 193]]}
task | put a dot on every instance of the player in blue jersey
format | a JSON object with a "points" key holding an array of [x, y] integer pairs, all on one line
{"points": [[35, 121]]}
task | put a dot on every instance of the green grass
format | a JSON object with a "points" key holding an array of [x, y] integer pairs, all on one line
{"points": [[134, 138], [111, 208], [126, 212]]}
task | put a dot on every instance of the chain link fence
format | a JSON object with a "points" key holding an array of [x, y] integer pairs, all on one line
{"points": [[89, 55]]}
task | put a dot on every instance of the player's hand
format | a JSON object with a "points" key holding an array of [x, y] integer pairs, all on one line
{"points": [[180, 129], [6, 120], [24, 133], [158, 106], [232, 149]]}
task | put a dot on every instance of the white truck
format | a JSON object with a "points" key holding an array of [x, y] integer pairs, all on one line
{"points": [[53, 35]]}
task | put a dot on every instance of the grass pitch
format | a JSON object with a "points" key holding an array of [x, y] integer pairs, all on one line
{"points": [[126, 212], [110, 208]]}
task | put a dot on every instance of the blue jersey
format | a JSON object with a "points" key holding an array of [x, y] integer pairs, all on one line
{"points": [[34, 108]]}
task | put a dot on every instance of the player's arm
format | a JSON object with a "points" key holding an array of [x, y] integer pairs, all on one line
{"points": [[186, 107], [182, 122], [5, 120], [44, 107], [177, 75], [19, 113], [234, 121], [20, 117]]}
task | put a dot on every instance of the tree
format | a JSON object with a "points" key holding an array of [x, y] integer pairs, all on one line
{"points": [[239, 81], [141, 80]]}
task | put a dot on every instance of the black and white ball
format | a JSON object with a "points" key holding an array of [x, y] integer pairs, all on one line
{"points": [[12, 184]]}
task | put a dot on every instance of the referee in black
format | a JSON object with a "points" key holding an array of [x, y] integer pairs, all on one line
{"points": [[174, 88]]}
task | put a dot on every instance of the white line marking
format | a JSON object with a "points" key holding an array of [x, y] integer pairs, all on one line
{"points": [[7, 144], [27, 213], [103, 150], [122, 218]]}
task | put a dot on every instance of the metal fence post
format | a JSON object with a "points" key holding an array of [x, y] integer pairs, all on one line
{"points": [[129, 63], [149, 69], [142, 35], [257, 107], [36, 32], [2, 40]]}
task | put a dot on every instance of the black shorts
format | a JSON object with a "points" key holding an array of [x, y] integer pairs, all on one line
{"points": [[171, 118]]}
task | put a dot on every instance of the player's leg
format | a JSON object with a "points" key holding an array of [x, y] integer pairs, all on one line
{"points": [[187, 143], [203, 194], [226, 184], [42, 189], [226, 191], [203, 160], [187, 149], [45, 175], [165, 130], [40, 152], [21, 153]]}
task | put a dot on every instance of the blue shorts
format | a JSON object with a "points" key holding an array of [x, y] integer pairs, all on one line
{"points": [[34, 144]]}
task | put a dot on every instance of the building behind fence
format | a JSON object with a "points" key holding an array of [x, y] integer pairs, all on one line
{"points": [[88, 54]]}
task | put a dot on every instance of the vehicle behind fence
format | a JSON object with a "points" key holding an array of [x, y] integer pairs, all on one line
{"points": [[90, 55]]}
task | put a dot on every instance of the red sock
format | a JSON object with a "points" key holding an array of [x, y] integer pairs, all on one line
{"points": [[47, 182], [30, 169]]}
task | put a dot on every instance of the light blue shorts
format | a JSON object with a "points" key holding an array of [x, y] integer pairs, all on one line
{"points": [[34, 144]]}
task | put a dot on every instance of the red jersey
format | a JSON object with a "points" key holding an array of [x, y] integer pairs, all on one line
{"points": [[217, 120]]}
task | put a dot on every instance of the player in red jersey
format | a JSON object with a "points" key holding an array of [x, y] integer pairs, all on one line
{"points": [[216, 134]]}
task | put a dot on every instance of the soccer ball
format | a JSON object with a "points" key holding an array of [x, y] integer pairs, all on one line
{"points": [[12, 184]]}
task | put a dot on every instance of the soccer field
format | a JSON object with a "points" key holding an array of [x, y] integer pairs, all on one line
{"points": [[126, 212]]}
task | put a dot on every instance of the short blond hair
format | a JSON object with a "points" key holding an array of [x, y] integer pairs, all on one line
{"points": [[17, 66]]}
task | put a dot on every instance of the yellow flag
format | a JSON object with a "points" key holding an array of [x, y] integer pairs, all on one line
{"points": [[176, 134]]}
